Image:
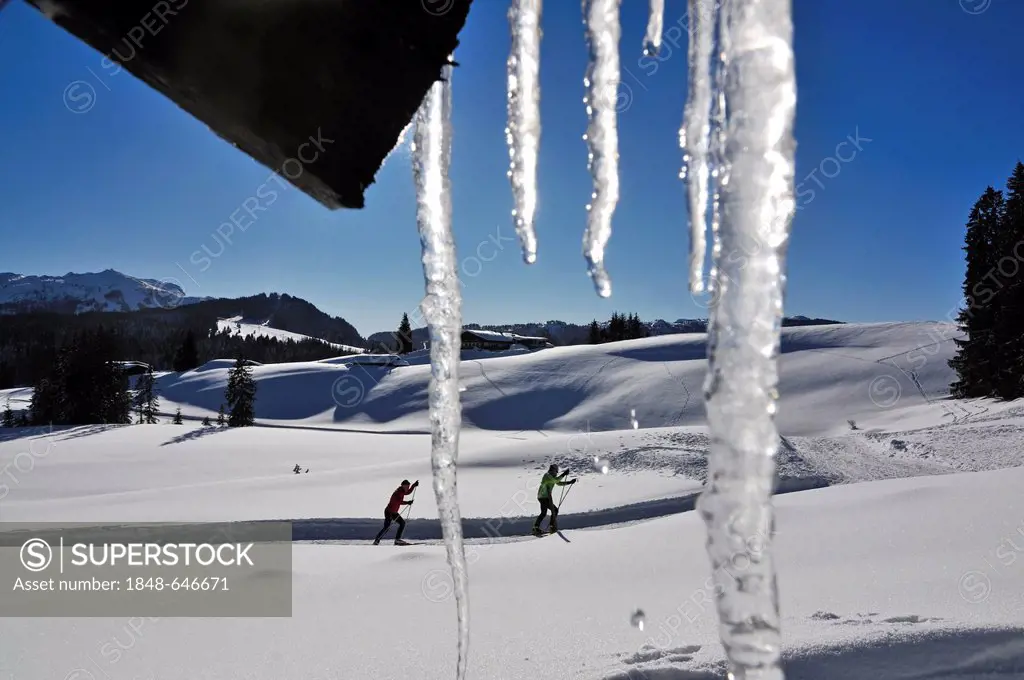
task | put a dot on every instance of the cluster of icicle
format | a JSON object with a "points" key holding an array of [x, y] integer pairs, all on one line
{"points": [[740, 60]]}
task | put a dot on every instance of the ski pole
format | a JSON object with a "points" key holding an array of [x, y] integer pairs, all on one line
{"points": [[409, 507], [565, 492]]}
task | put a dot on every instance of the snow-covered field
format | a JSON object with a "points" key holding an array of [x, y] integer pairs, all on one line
{"points": [[900, 549]]}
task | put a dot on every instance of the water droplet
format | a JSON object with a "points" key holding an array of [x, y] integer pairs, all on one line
{"points": [[632, 418], [638, 619], [602, 464]]}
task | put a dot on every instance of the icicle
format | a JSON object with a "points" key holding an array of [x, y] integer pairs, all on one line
{"points": [[442, 309], [758, 205], [602, 83], [523, 131], [716, 149], [655, 22], [694, 136]]}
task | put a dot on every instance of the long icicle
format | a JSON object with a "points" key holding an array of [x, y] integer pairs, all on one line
{"points": [[602, 83], [523, 131], [694, 136], [655, 25], [442, 309], [716, 148], [741, 390]]}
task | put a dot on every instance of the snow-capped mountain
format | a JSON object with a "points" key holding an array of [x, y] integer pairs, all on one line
{"points": [[106, 291]]}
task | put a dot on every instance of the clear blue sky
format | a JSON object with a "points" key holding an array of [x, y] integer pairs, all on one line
{"points": [[137, 185]]}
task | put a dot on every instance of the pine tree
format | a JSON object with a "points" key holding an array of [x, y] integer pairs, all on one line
{"points": [[404, 335], [220, 415], [146, 400], [974, 362], [83, 385], [617, 327], [187, 356], [241, 395], [635, 327], [206, 421], [8, 417], [177, 417], [1008, 321], [594, 335]]}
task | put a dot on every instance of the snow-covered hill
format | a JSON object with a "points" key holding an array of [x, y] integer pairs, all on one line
{"points": [[565, 333], [829, 375], [106, 291], [237, 325]]}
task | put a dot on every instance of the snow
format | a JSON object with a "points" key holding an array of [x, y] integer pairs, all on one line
{"points": [[828, 375], [501, 336], [368, 359], [922, 524], [106, 291], [236, 325], [914, 557]]}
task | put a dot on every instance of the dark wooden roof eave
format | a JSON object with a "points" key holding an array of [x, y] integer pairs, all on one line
{"points": [[316, 90]]}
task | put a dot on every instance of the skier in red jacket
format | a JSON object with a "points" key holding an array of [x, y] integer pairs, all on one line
{"points": [[391, 513]]}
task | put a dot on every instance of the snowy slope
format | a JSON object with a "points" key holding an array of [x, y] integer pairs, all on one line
{"points": [[911, 578], [106, 291], [869, 373], [238, 326]]}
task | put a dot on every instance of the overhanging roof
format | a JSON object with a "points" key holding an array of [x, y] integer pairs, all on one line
{"points": [[268, 75]]}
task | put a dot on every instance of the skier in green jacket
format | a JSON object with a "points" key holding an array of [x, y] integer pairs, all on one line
{"points": [[550, 480]]}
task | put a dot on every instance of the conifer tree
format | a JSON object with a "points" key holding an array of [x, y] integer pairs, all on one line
{"points": [[404, 335], [241, 395], [8, 417], [177, 417], [83, 385], [220, 415], [146, 400], [594, 335], [974, 362], [187, 356], [1008, 321]]}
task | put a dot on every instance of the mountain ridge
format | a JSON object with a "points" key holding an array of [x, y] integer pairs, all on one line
{"points": [[111, 291], [74, 293]]}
